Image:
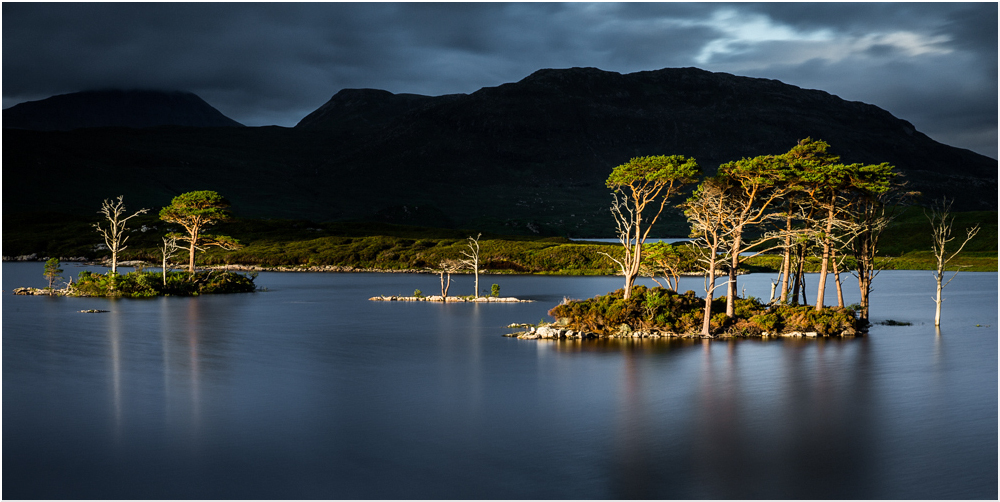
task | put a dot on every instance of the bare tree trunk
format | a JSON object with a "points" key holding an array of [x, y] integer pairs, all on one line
{"points": [[825, 263], [706, 325], [786, 263], [633, 266], [734, 266], [836, 278], [937, 301], [798, 274], [629, 283], [191, 257]]}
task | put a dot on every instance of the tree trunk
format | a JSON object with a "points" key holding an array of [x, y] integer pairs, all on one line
{"points": [[193, 233], [734, 266], [786, 262], [633, 265], [706, 325], [825, 263], [114, 259], [938, 277], [629, 282], [798, 273], [477, 278], [191, 258], [836, 278]]}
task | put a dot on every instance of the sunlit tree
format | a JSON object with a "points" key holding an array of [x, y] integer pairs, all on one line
{"points": [[114, 232], [941, 222], [640, 184], [195, 211]]}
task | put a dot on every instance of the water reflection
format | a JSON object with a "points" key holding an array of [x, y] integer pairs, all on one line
{"points": [[313, 392], [114, 336]]}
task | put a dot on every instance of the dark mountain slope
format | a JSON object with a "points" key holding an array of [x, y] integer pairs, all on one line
{"points": [[115, 108], [521, 157], [580, 122]]}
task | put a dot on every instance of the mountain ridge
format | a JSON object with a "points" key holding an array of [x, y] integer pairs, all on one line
{"points": [[521, 157], [134, 108]]}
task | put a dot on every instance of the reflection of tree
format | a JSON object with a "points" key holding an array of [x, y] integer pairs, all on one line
{"points": [[633, 470], [114, 329]]}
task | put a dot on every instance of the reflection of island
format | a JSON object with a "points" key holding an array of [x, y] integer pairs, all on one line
{"points": [[704, 419]]}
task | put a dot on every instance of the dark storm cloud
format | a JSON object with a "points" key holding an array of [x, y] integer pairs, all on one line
{"points": [[272, 63]]}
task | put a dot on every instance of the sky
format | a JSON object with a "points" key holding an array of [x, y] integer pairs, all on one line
{"points": [[932, 64]]}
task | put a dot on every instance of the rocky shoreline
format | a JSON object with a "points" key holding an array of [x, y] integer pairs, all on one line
{"points": [[41, 291], [450, 299], [551, 332]]}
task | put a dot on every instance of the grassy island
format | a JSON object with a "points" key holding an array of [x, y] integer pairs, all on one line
{"points": [[667, 312], [151, 284]]}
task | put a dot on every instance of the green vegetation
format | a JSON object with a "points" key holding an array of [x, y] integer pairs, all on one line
{"points": [[665, 310], [292, 243], [52, 271], [150, 284]]}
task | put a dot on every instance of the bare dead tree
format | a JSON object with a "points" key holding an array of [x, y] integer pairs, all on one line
{"points": [[446, 268], [169, 248], [114, 234], [472, 258], [624, 216], [941, 222]]}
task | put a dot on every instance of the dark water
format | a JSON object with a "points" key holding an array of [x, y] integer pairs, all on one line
{"points": [[311, 391]]}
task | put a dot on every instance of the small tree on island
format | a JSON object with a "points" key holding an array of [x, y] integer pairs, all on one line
{"points": [[641, 182], [114, 234], [941, 225], [664, 260], [196, 211], [52, 271]]}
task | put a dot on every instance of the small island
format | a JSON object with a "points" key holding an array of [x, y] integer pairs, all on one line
{"points": [[149, 284], [659, 312]]}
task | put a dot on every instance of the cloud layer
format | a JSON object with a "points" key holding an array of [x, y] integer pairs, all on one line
{"points": [[934, 65]]}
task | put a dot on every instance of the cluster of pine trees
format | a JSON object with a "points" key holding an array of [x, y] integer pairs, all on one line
{"points": [[796, 201]]}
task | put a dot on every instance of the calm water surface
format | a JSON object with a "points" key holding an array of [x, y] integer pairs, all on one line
{"points": [[309, 390]]}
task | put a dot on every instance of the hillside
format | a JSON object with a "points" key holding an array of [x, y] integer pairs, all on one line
{"points": [[115, 108], [526, 157]]}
